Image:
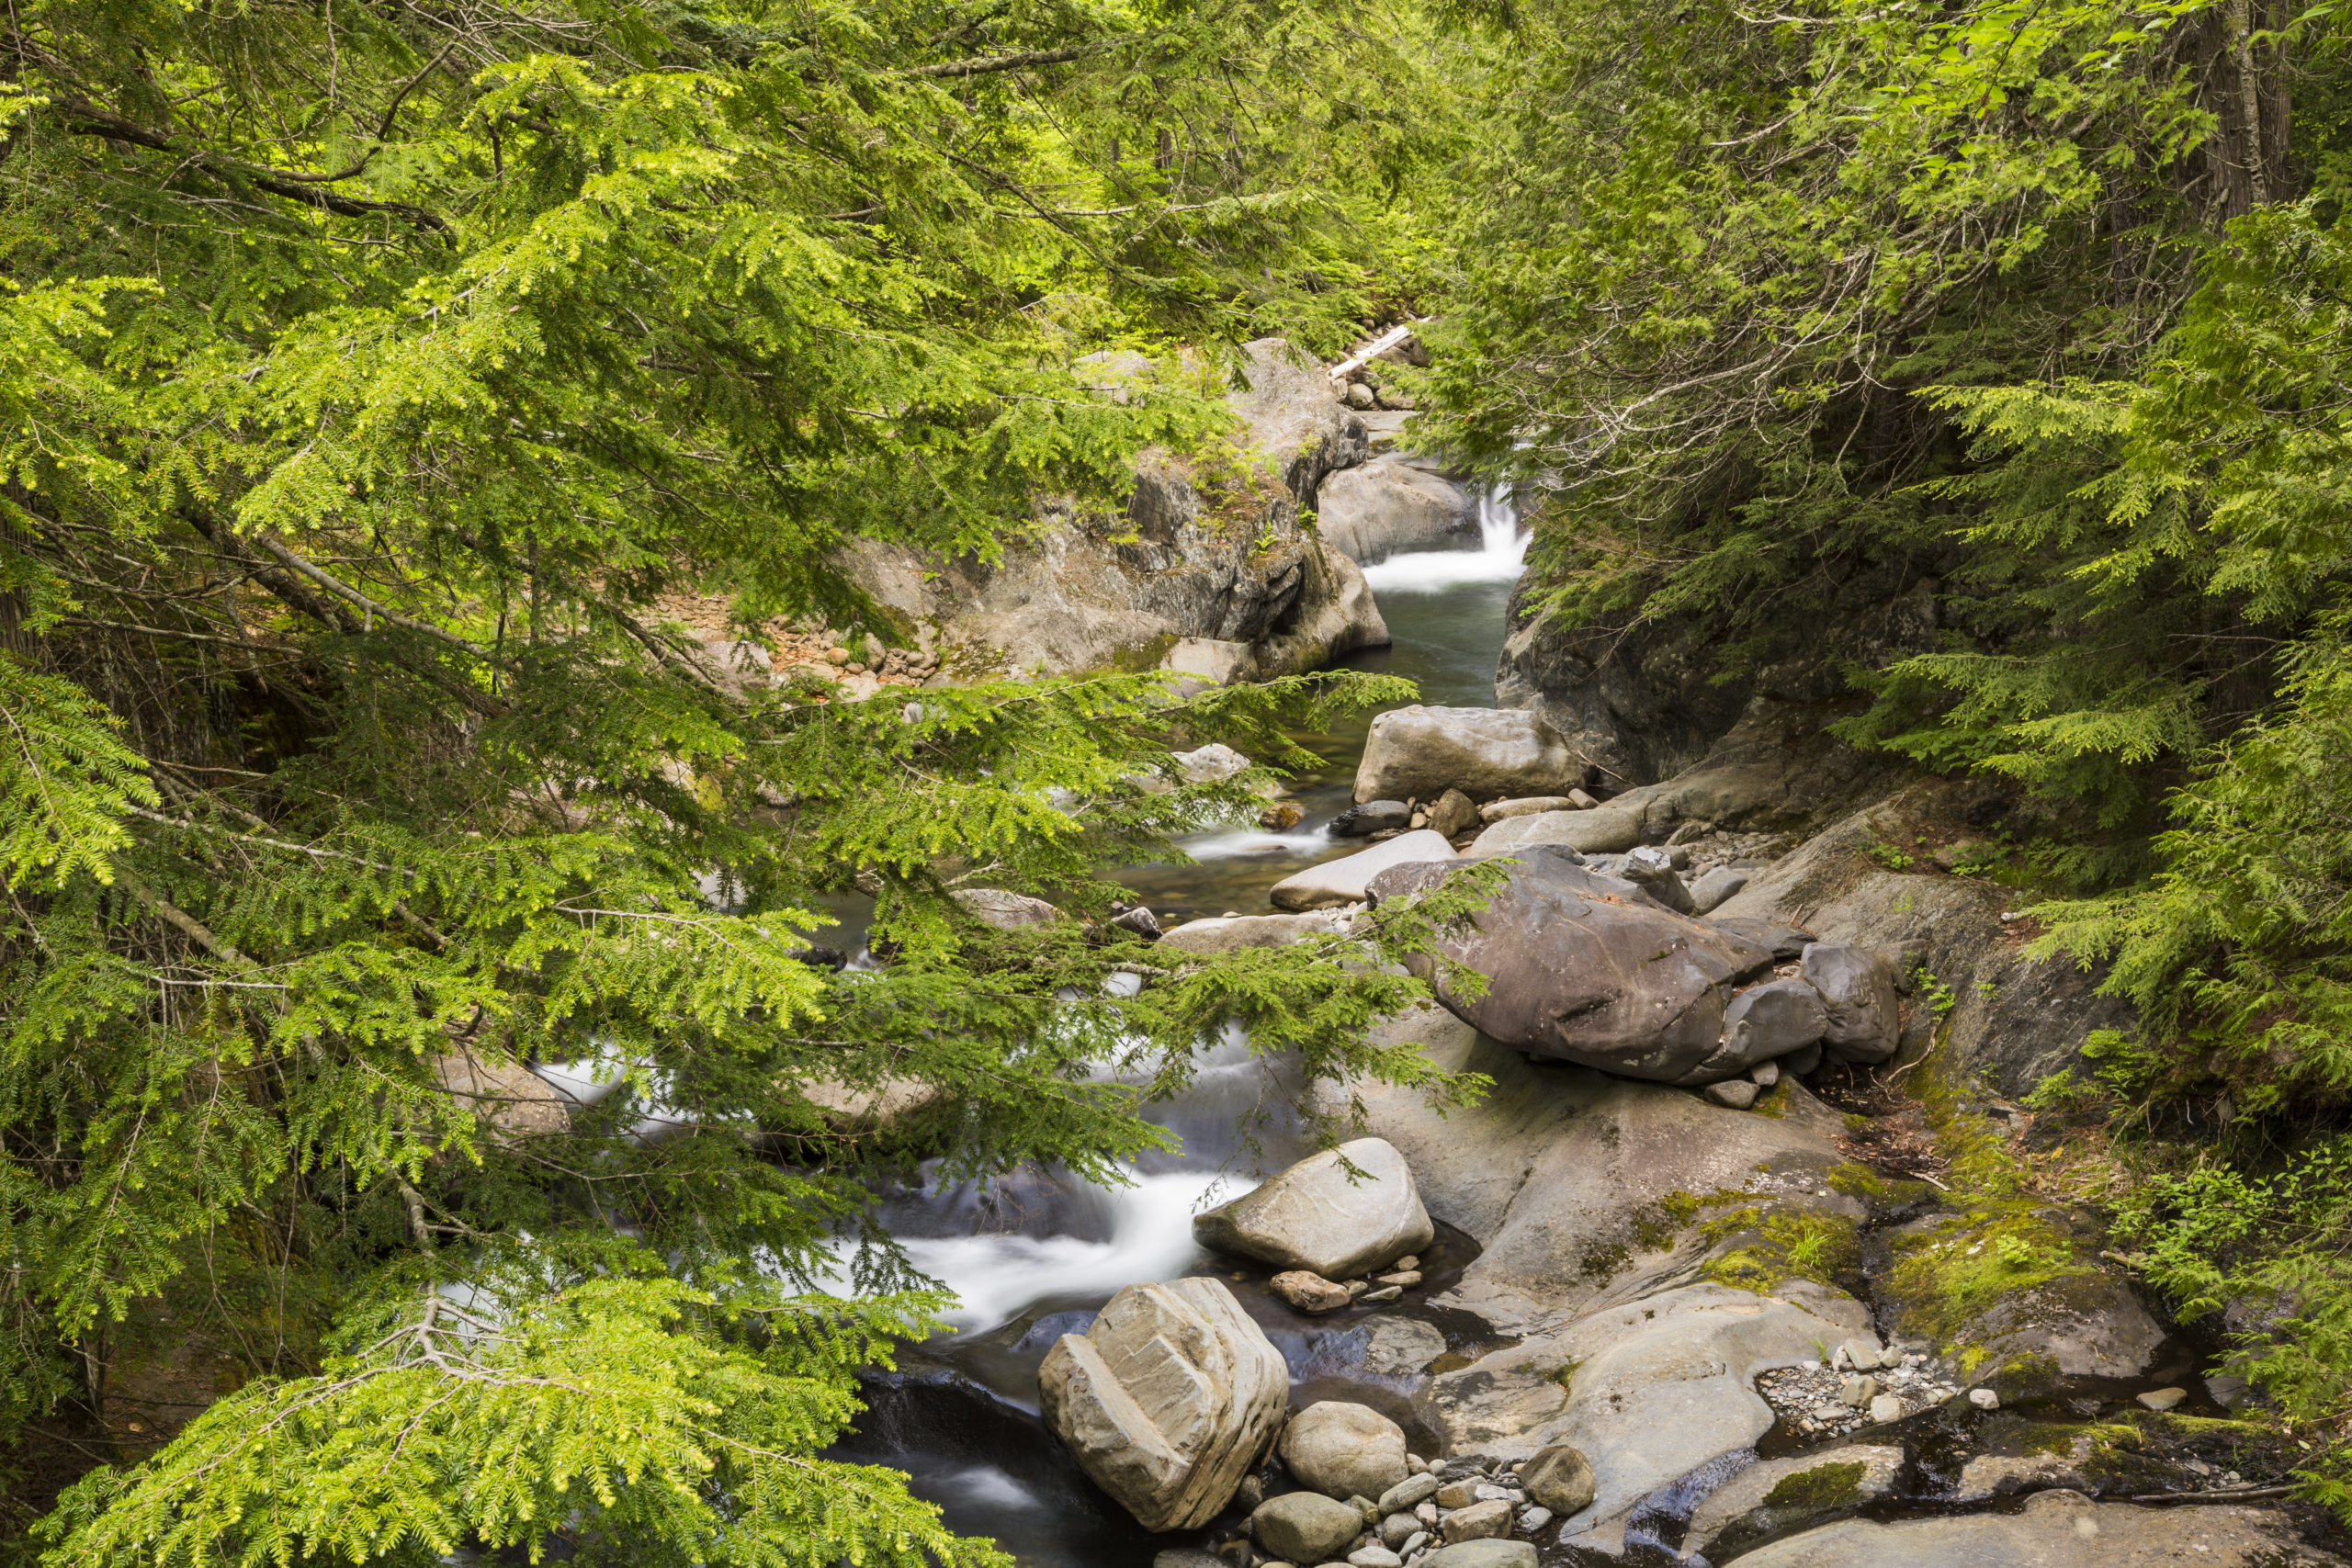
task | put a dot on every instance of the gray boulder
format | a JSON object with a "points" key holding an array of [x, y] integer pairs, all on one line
{"points": [[1584, 968], [1559, 1478], [1167, 1400], [1652, 870], [1371, 817], [1764, 1022], [1344, 1450], [1312, 1216], [1303, 1527], [1712, 887], [1488, 753], [1856, 990], [1345, 880], [1605, 830], [1392, 505], [1006, 911]]}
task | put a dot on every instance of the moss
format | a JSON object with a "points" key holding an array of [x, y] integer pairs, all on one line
{"points": [[1603, 1262], [1141, 657], [1859, 1181], [1823, 1486], [1773, 1101], [1946, 1276], [1774, 1247]]}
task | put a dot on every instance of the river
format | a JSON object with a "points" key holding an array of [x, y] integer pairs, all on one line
{"points": [[1034, 1260]]}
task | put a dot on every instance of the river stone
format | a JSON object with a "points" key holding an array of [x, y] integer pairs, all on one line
{"points": [[1314, 1216], [1410, 1492], [1167, 1400], [2162, 1398], [1228, 933], [1857, 989], [1480, 1521], [1395, 1530], [1483, 1554], [1712, 887], [1486, 754], [1778, 1496], [1371, 817], [1651, 870], [2053, 1530], [1495, 811], [1400, 1348], [1453, 814], [1374, 1556], [1189, 1557], [1558, 1478], [1601, 830], [1585, 968], [1343, 881], [1006, 911], [1733, 1094], [1764, 1022], [1305, 1527], [1344, 1450], [1309, 1291]]}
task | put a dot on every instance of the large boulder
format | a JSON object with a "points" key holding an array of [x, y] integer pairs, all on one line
{"points": [[1346, 880], [1604, 830], [1862, 1018], [1316, 1216], [1344, 1450], [1393, 505], [1768, 1021], [1488, 753], [1167, 1399], [1585, 968], [1305, 1527]]}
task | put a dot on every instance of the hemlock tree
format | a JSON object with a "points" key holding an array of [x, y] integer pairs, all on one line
{"points": [[370, 374]]}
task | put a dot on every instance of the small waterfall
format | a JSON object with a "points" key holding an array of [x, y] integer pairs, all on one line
{"points": [[1502, 549]]}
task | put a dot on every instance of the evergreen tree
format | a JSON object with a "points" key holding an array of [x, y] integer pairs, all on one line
{"points": [[372, 373]]}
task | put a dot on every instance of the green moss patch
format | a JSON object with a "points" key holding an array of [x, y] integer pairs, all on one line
{"points": [[1824, 1486]]}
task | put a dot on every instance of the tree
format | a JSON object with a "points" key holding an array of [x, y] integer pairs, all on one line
{"points": [[372, 373]]}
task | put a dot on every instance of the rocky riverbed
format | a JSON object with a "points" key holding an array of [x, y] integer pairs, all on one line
{"points": [[1741, 1258]]}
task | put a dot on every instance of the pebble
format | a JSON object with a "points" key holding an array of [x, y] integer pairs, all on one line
{"points": [[1374, 1557], [1534, 1520], [1807, 1397], [1496, 1494], [1984, 1399], [1403, 1276], [1885, 1408], [2163, 1398], [1415, 1541]]}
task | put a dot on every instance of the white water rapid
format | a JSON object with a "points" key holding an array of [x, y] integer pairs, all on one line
{"points": [[1502, 549]]}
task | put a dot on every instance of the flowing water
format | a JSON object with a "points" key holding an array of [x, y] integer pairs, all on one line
{"points": [[1033, 1259]]}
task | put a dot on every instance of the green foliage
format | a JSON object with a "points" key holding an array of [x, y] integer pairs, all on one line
{"points": [[374, 384]]}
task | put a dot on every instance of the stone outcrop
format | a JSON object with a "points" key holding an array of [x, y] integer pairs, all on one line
{"points": [[1344, 1450], [1783, 1496], [1167, 1400], [1391, 505], [1315, 1216], [1638, 697], [1208, 552], [1486, 754], [2054, 1529], [1345, 880]]}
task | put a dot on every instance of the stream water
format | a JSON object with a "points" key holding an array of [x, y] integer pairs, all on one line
{"points": [[1034, 1260]]}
